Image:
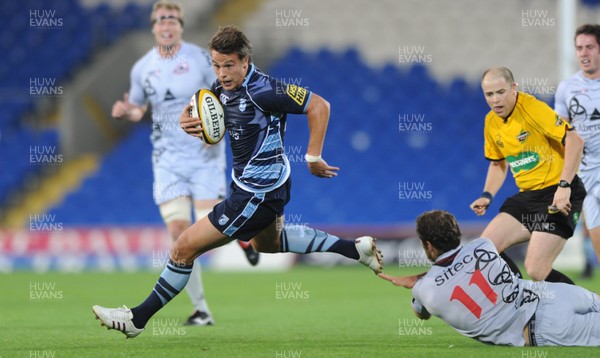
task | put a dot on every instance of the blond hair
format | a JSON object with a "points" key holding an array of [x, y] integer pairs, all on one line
{"points": [[168, 5]]}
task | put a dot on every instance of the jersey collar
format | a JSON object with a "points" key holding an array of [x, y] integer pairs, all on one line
{"points": [[250, 73], [447, 258], [505, 120], [586, 79]]}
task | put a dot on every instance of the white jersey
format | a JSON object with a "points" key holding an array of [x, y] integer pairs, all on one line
{"points": [[578, 99], [473, 290], [168, 84]]}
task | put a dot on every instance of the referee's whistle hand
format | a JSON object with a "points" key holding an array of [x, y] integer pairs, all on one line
{"points": [[561, 200]]}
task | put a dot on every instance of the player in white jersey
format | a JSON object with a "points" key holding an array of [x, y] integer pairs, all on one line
{"points": [[186, 171], [471, 288], [578, 99]]}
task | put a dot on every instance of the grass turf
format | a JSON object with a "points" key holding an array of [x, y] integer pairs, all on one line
{"points": [[306, 312]]}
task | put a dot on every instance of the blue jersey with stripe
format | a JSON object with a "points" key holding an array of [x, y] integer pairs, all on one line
{"points": [[255, 116]]}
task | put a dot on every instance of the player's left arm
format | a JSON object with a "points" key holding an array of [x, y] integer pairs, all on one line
{"points": [[573, 153], [561, 132], [409, 282], [293, 99], [402, 281], [317, 111]]}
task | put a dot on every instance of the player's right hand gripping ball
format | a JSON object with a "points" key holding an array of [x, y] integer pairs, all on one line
{"points": [[206, 106]]}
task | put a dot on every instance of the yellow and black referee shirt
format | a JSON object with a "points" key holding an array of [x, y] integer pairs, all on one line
{"points": [[531, 140]]}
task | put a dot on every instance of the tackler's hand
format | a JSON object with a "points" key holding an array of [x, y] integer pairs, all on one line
{"points": [[402, 281]]}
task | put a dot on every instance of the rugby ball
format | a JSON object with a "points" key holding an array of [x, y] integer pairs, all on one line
{"points": [[206, 106]]}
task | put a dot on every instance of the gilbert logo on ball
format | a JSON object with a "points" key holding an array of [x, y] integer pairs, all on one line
{"points": [[206, 106]]}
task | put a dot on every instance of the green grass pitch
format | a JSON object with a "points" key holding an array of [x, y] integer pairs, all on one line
{"points": [[305, 312]]}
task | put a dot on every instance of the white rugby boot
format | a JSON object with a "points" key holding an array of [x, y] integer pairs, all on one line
{"points": [[368, 253], [117, 318]]}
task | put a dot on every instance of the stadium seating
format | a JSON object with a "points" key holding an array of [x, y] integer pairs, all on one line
{"points": [[408, 137], [390, 170], [45, 45], [121, 191], [591, 2], [21, 159], [443, 32]]}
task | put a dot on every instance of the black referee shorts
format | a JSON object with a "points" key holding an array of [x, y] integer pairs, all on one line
{"points": [[531, 209]]}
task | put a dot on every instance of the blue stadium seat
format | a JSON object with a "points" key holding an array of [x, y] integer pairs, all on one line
{"points": [[429, 161], [390, 171], [591, 3], [121, 191], [57, 54]]}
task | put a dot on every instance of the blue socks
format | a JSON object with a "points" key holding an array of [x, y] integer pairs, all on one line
{"points": [[171, 281], [298, 239], [304, 240]]}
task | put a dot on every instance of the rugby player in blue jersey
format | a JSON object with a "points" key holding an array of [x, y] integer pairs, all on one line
{"points": [[187, 173], [256, 107]]}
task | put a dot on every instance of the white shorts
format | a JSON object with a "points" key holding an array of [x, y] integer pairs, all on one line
{"points": [[199, 183], [567, 315], [591, 204]]}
